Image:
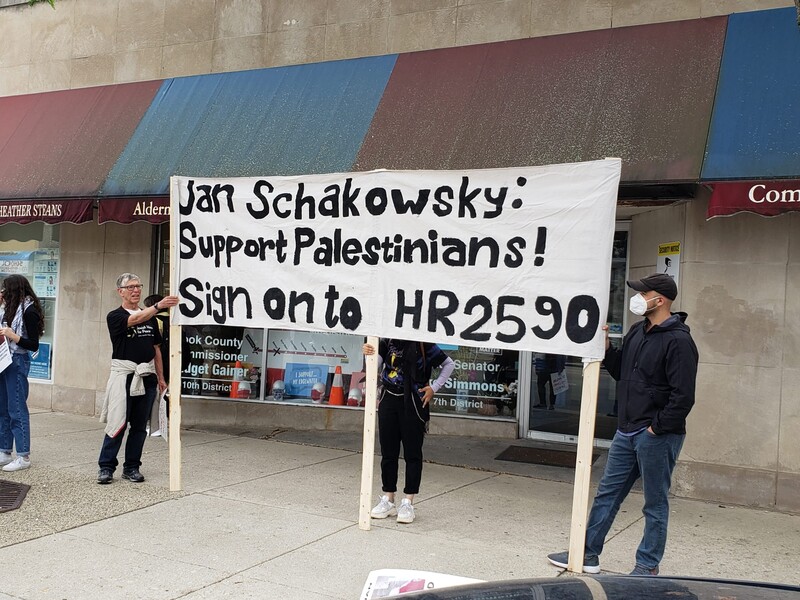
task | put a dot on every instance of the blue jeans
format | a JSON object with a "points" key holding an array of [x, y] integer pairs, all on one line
{"points": [[15, 420], [137, 415], [653, 458]]}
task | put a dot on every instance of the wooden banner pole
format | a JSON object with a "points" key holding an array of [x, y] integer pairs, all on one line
{"points": [[368, 450], [175, 359], [583, 465]]}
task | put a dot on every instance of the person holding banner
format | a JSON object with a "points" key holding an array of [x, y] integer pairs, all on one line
{"points": [[403, 415], [136, 374], [547, 365], [22, 320], [656, 369]]}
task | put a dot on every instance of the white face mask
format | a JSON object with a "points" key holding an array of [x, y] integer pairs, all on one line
{"points": [[638, 304]]}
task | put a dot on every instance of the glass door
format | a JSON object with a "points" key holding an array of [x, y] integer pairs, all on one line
{"points": [[554, 393]]}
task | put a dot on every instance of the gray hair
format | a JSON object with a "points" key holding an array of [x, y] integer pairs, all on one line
{"points": [[123, 279]]}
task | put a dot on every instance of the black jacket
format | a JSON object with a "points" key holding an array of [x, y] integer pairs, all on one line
{"points": [[656, 372]]}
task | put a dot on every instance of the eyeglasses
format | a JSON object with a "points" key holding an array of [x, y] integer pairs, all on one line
{"points": [[132, 288]]}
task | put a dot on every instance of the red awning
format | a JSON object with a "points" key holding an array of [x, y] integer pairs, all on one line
{"points": [[765, 198], [67, 210], [642, 93], [151, 209], [63, 144]]}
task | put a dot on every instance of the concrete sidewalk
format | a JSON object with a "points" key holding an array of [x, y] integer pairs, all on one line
{"points": [[277, 518]]}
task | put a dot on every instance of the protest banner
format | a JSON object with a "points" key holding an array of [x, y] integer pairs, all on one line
{"points": [[514, 258]]}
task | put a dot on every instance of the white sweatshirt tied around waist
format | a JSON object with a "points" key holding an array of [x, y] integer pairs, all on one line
{"points": [[115, 405]]}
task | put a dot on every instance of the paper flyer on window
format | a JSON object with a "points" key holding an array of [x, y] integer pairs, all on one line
{"points": [[5, 354], [386, 583], [163, 421]]}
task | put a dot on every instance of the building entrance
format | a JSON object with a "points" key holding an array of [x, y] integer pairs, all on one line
{"points": [[552, 405]]}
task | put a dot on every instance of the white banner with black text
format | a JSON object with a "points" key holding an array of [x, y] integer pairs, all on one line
{"points": [[515, 258]]}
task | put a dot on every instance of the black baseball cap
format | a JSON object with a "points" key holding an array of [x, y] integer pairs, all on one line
{"points": [[657, 282]]}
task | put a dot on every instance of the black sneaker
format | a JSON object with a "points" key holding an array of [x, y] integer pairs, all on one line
{"points": [[133, 475], [105, 476], [591, 564], [640, 570]]}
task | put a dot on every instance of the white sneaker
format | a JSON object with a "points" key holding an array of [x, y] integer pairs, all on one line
{"points": [[383, 509], [405, 514], [5, 458], [156, 433], [19, 463]]}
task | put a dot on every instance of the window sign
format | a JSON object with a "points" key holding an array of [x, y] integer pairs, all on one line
{"points": [[224, 362], [45, 273], [315, 368], [484, 383], [15, 263], [669, 259], [40, 363]]}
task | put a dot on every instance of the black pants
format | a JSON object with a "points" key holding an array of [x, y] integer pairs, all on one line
{"points": [[542, 379], [137, 416], [398, 423]]}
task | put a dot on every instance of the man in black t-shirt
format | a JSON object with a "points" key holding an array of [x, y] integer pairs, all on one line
{"points": [[136, 375]]}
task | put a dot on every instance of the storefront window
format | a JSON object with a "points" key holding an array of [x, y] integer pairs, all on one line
{"points": [[315, 368], [223, 362], [294, 367], [33, 251], [297, 367]]}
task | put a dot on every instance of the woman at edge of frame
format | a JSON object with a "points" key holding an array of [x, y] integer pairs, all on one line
{"points": [[403, 416], [22, 324]]}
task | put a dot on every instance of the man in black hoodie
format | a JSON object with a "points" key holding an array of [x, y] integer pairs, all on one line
{"points": [[655, 372]]}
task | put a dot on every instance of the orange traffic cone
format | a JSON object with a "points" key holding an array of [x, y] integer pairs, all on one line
{"points": [[235, 383], [337, 391]]}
